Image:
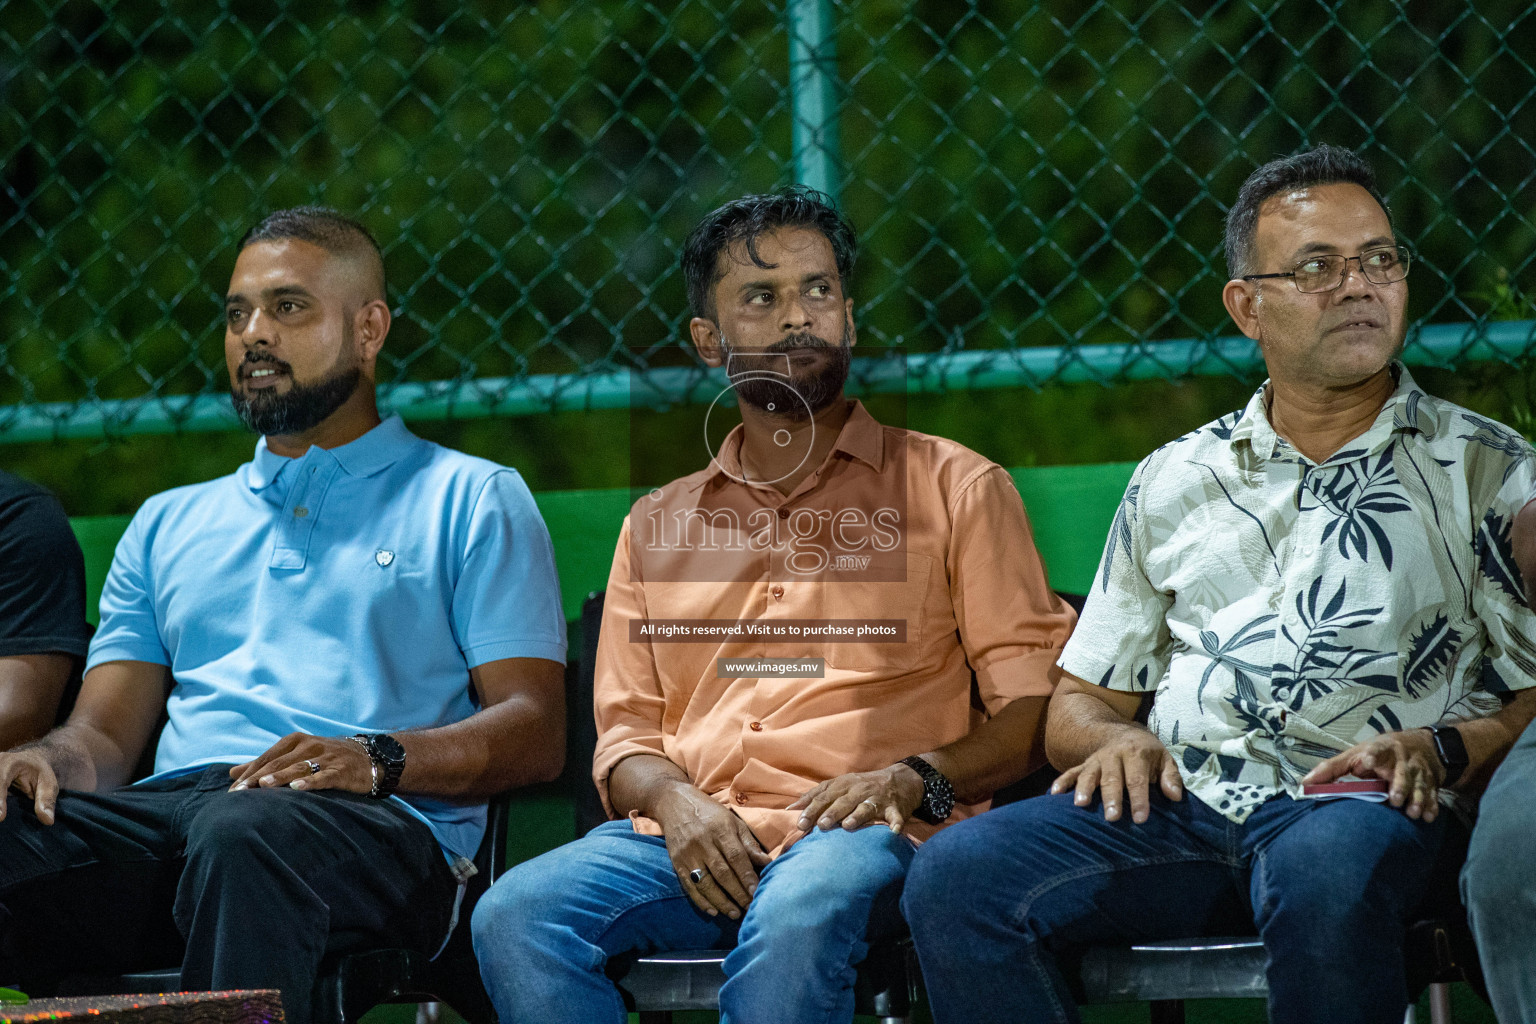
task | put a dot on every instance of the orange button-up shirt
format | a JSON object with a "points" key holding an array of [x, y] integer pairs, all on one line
{"points": [[896, 526]]}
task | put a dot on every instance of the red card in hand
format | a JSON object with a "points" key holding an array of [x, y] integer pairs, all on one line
{"points": [[1345, 787]]}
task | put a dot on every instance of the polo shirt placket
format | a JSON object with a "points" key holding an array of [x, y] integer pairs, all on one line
{"points": [[301, 509]]}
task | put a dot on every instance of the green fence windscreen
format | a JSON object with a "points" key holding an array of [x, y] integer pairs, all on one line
{"points": [[1040, 187]]}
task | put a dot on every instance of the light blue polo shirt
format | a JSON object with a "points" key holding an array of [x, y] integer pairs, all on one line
{"points": [[346, 591]]}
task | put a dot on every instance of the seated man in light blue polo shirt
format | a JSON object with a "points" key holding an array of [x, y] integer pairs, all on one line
{"points": [[356, 638]]}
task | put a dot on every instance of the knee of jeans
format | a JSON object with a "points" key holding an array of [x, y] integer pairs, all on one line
{"points": [[511, 909], [780, 914], [942, 874]]}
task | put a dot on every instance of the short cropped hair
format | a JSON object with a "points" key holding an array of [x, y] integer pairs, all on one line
{"points": [[747, 219], [1322, 165], [332, 231]]}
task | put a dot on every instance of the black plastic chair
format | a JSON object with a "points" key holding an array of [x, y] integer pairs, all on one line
{"points": [[658, 985], [351, 984]]}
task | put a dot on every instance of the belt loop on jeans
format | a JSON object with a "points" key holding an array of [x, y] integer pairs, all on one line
{"points": [[463, 870]]}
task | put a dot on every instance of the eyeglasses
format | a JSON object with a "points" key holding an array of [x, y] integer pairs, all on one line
{"points": [[1325, 273]]}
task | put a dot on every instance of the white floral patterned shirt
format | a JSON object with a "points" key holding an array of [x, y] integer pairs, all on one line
{"points": [[1283, 610]]}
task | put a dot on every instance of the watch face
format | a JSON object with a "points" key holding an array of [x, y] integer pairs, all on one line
{"points": [[388, 747], [942, 801]]}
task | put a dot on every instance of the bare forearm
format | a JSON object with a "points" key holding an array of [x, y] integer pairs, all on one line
{"points": [[641, 781], [1489, 739], [1080, 724], [1003, 749], [68, 751], [502, 747], [30, 688]]}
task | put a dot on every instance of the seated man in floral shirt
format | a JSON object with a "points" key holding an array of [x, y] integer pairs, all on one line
{"points": [[1320, 585]]}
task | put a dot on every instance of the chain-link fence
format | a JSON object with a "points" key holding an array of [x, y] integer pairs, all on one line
{"points": [[1040, 187]]}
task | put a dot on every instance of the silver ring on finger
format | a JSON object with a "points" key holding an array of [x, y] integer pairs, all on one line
{"points": [[872, 805], [696, 876], [314, 767]]}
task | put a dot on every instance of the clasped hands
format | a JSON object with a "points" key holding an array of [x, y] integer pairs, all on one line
{"points": [[717, 858], [1123, 769]]}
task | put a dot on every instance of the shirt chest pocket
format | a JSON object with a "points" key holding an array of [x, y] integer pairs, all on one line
{"points": [[880, 605]]}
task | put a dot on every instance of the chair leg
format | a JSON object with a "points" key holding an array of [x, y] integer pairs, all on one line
{"points": [[1412, 1016], [895, 1020], [1167, 1011], [1440, 1003]]}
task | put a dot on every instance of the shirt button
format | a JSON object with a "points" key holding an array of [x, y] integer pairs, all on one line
{"points": [[741, 798], [756, 726], [778, 591], [783, 513], [300, 512]]}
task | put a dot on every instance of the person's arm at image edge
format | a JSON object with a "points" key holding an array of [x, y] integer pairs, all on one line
{"points": [[98, 746], [43, 634], [31, 686]]}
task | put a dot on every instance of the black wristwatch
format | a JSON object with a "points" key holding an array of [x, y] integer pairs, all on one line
{"points": [[1452, 750], [938, 794], [388, 758]]}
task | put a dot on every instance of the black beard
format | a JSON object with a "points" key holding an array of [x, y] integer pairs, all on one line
{"points": [[303, 408], [760, 385]]}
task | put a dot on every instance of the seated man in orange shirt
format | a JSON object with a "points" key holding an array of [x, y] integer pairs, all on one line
{"points": [[773, 809]]}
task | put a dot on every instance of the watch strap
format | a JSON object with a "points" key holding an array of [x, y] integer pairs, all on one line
{"points": [[1452, 751], [938, 793], [387, 757]]}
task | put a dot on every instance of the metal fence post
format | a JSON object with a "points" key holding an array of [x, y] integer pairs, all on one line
{"points": [[813, 95]]}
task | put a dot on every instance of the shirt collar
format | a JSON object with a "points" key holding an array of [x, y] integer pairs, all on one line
{"points": [[379, 448], [862, 438], [1406, 411]]}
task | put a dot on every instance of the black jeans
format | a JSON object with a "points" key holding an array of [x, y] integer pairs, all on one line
{"points": [[247, 890]]}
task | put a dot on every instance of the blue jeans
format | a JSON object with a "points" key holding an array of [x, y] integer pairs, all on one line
{"points": [[1499, 884], [545, 930], [993, 902]]}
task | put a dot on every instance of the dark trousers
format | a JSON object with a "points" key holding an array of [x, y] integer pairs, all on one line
{"points": [[247, 890]]}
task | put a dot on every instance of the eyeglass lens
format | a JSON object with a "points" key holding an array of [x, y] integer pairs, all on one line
{"points": [[1325, 273]]}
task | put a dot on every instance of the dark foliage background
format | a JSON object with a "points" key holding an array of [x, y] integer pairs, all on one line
{"points": [[1023, 174]]}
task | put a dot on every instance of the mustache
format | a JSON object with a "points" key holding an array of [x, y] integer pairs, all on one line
{"points": [[802, 340]]}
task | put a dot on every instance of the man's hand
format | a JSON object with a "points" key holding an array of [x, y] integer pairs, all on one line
{"points": [[1407, 760], [703, 835], [31, 775], [341, 763], [1123, 769], [854, 800]]}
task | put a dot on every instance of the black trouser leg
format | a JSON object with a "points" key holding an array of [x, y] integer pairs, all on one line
{"points": [[261, 884], [277, 878], [92, 892]]}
